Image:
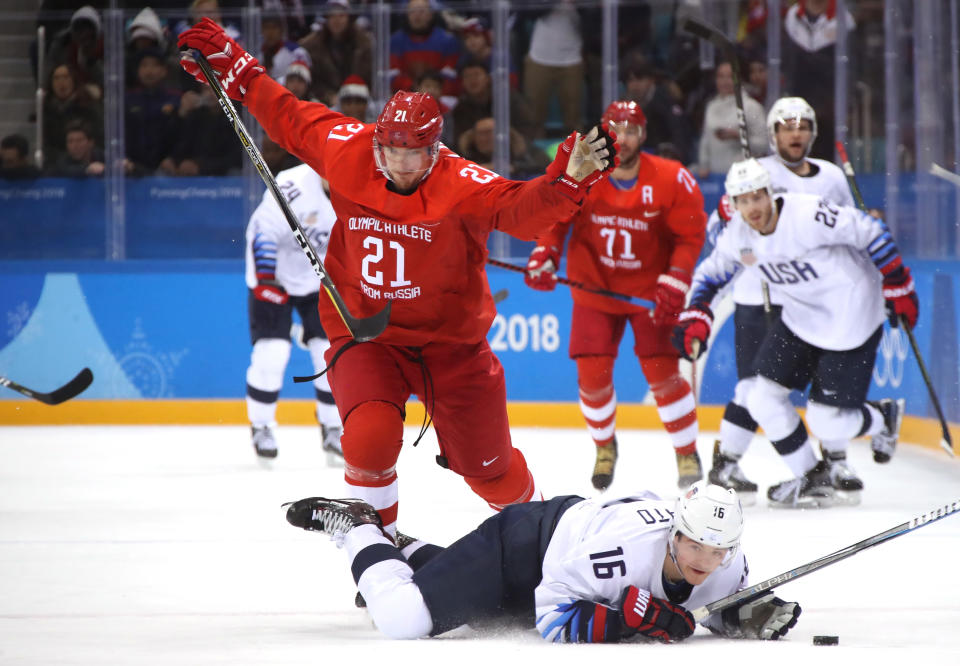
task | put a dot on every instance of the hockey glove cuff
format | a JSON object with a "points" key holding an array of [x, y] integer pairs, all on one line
{"points": [[764, 617], [694, 323], [671, 294], [234, 67], [654, 618], [270, 292], [542, 268]]}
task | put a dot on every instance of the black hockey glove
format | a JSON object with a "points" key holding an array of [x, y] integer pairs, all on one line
{"points": [[653, 617], [764, 617]]}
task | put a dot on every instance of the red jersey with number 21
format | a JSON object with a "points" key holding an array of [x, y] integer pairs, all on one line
{"points": [[425, 252]]}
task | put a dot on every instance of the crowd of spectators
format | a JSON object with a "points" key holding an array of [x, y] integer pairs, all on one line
{"points": [[172, 125]]}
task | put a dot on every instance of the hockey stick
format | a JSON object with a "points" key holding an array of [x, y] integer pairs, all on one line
{"points": [[71, 389], [500, 296], [729, 51], [946, 441], [949, 176], [361, 329], [642, 302], [826, 560]]}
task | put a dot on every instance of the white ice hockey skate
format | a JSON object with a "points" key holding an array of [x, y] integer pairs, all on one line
{"points": [[813, 490], [331, 445], [264, 443], [726, 473], [846, 484], [885, 442]]}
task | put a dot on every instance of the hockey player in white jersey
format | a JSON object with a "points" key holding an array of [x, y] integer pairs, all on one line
{"points": [[280, 279], [792, 129], [820, 262], [600, 570]]}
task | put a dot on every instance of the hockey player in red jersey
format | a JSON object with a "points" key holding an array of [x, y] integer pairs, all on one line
{"points": [[412, 225], [639, 232]]}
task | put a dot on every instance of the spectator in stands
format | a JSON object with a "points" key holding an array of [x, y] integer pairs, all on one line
{"points": [[421, 45], [81, 47], [83, 157], [276, 157], [477, 144], [476, 102], [720, 141], [65, 101], [808, 63], [207, 144], [295, 23], [666, 121], [211, 10], [554, 66], [297, 80], [15, 159], [151, 120], [431, 82], [756, 84], [339, 49], [478, 47], [354, 100], [279, 52], [146, 31]]}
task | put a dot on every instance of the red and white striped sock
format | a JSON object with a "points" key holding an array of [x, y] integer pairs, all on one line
{"points": [[678, 411]]}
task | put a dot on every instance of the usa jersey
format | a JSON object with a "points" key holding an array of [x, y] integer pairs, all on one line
{"points": [[425, 252], [623, 239], [822, 263], [601, 546], [271, 245], [825, 180]]}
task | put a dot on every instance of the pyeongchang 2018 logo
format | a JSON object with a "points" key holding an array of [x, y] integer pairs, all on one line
{"points": [[891, 356]]}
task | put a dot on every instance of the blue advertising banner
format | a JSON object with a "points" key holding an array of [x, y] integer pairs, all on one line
{"points": [[178, 329]]}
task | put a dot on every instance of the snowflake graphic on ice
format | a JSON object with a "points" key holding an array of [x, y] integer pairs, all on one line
{"points": [[148, 370]]}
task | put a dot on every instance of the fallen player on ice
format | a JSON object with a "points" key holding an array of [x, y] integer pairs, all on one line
{"points": [[600, 570]]}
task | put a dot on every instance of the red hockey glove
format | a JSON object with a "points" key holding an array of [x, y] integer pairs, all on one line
{"points": [[582, 160], [542, 268], [234, 67], [901, 298], [270, 292], [655, 618], [672, 288], [694, 323]]}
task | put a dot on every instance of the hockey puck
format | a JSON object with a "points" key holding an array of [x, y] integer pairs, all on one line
{"points": [[826, 640]]}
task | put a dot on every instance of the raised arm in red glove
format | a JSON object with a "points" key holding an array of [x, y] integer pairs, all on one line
{"points": [[234, 67]]}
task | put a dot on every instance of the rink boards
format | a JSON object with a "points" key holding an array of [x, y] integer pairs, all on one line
{"points": [[166, 338]]}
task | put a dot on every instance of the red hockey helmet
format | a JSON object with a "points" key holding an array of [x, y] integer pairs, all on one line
{"points": [[409, 120], [625, 112]]}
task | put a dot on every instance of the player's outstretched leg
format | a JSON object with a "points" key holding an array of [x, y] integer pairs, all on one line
{"points": [[884, 442], [605, 465], [264, 441], [726, 473], [678, 412], [813, 490]]}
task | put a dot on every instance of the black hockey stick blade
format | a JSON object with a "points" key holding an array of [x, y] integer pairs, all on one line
{"points": [[842, 554], [71, 389], [361, 329], [709, 33]]}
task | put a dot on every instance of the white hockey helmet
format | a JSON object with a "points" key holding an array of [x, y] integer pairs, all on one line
{"points": [[790, 108], [747, 176], [711, 515]]}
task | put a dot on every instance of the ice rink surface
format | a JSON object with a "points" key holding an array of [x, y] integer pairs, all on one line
{"points": [[167, 545]]}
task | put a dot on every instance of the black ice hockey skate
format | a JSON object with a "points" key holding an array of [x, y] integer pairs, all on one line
{"points": [[331, 516], [845, 481], [813, 490], [885, 442], [726, 473]]}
